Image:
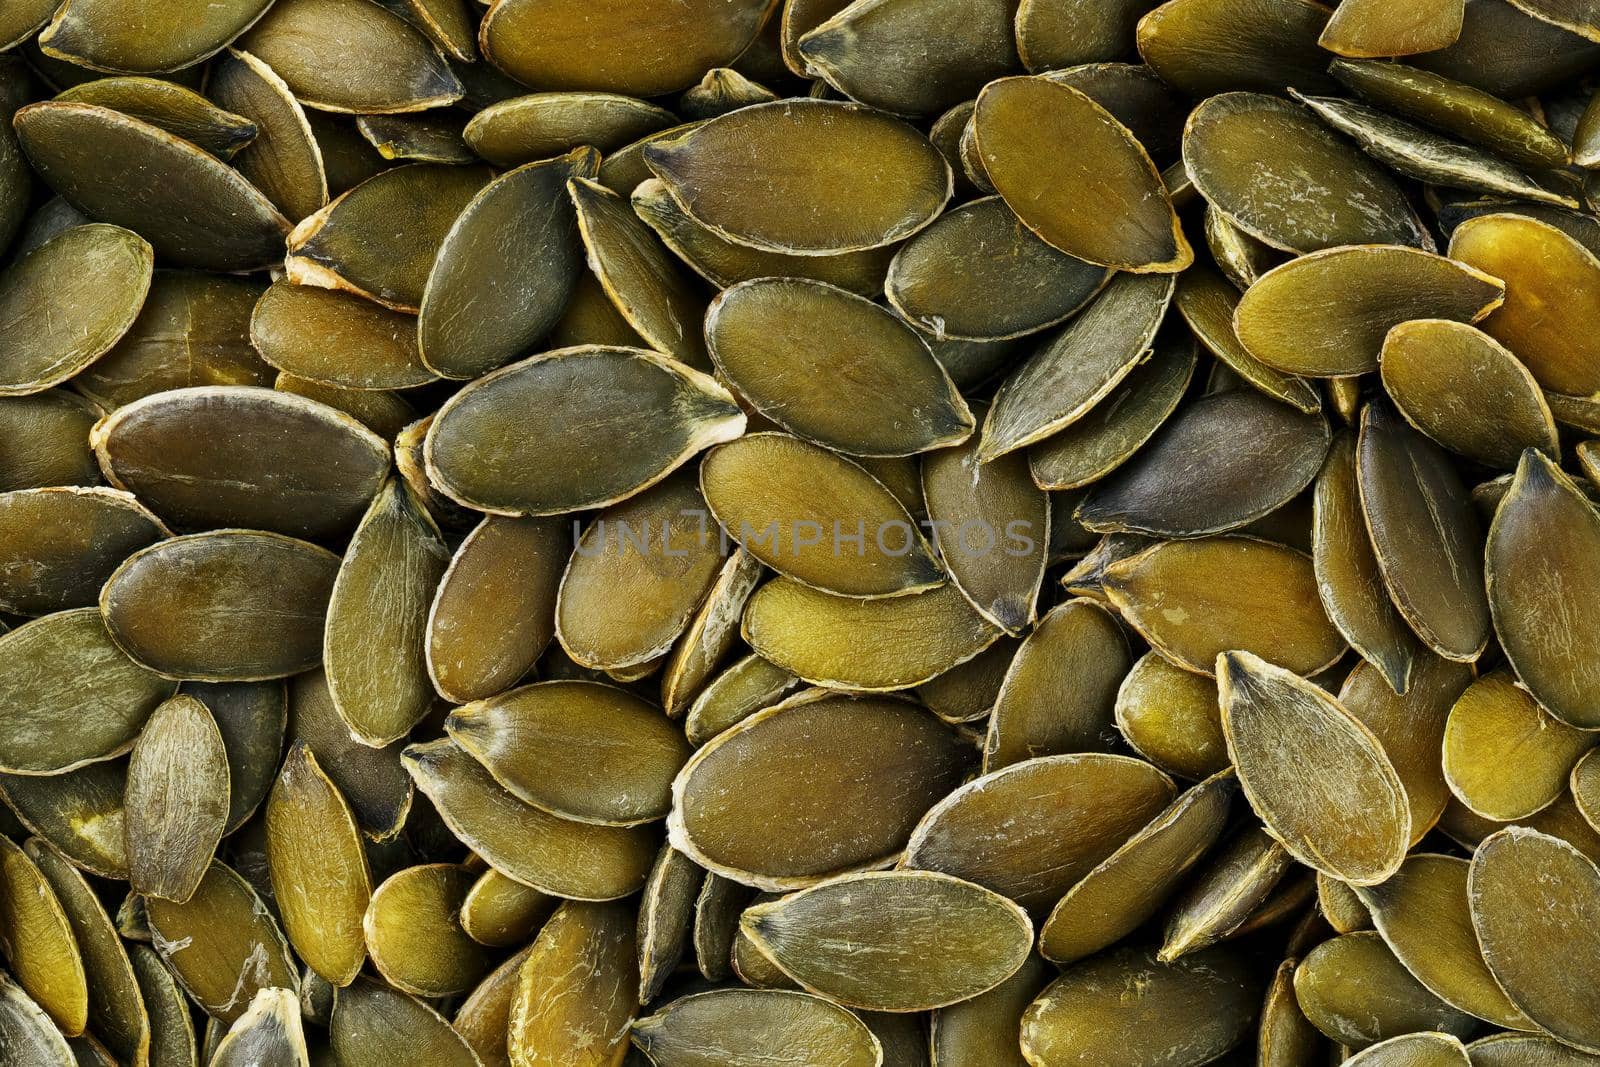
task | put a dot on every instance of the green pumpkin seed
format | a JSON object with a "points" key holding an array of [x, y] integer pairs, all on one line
{"points": [[383, 412], [748, 1027], [180, 111], [38, 942], [98, 35], [78, 812], [194, 329], [1532, 1050], [1585, 785], [513, 132], [1354, 990], [722, 90], [337, 338], [61, 544], [44, 441], [1286, 1038], [380, 239], [414, 934], [1237, 883], [556, 856], [1207, 303], [820, 207], [1169, 716], [666, 919], [1339, 905], [894, 940], [1077, 367], [1034, 829], [1193, 600], [742, 689], [1242, 259], [711, 634], [416, 138], [1415, 1050], [341, 55], [1542, 267], [193, 209], [1505, 757], [1311, 190], [1105, 204], [284, 161], [373, 1025], [1529, 892], [471, 445], [483, 1018], [875, 645], [1362, 28], [27, 1031], [984, 1028], [716, 925], [500, 913], [1424, 916], [195, 607], [519, 230], [578, 989], [269, 460], [493, 612], [269, 1034], [1127, 1007], [1539, 563], [1210, 46], [318, 867], [177, 799], [624, 170], [967, 692], [222, 944], [754, 805], [370, 780], [172, 1041]]}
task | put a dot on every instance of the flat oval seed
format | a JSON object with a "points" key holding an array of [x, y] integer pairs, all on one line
{"points": [[1105, 203], [198, 606], [1526, 1050], [337, 338], [222, 944], [803, 188], [44, 440], [1032, 830], [177, 799], [72, 696], [666, 919], [1196, 599], [816, 786], [178, 110], [1060, 688], [834, 368], [1542, 567], [373, 1025], [751, 1027], [1310, 190], [1313, 772], [1543, 268], [416, 138], [284, 161], [414, 935], [318, 867], [343, 55], [492, 615], [984, 1029], [37, 940], [1424, 533], [1238, 882], [850, 643], [1424, 915], [505, 269], [1169, 716], [1240, 454], [580, 750], [742, 689], [193, 209], [792, 505], [1130, 885], [1354, 990], [894, 940], [982, 247], [510, 133], [57, 546], [618, 45], [578, 989], [269, 1034], [1578, 16], [1125, 1007], [483, 1018], [482, 453], [1532, 898], [1414, 1050], [1076, 368], [79, 812], [1207, 303], [1290, 321], [1211, 46], [269, 460], [501, 913], [371, 780], [556, 856], [711, 634], [1504, 756], [66, 303], [380, 239], [172, 1041], [1585, 785], [97, 34], [1365, 28]]}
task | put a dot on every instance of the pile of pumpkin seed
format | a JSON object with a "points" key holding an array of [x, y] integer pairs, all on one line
{"points": [[740, 533]]}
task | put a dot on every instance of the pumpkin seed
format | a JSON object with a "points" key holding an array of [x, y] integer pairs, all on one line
{"points": [[967, 692], [482, 1020], [1415, 1050], [417, 138], [1237, 883], [1313, 771], [554, 855], [61, 544], [78, 812], [1354, 990], [414, 934], [1311, 190], [371, 781], [96, 34], [373, 1024], [44, 441], [666, 918], [27, 1031], [224, 456], [773, 204], [1363, 28], [722, 90], [1105, 204], [1207, 304], [177, 799], [1127, 1007], [894, 940], [336, 338], [578, 989], [742, 689], [1505, 757], [171, 1026], [269, 1034], [499, 913], [1507, 1050], [716, 924], [711, 634], [875, 645], [1193, 600], [222, 944], [1586, 789], [1286, 1037], [1169, 716], [38, 942], [1241, 258], [284, 160], [1209, 46], [983, 1029], [471, 446], [524, 129], [1424, 534], [194, 607], [747, 1027], [176, 109]]}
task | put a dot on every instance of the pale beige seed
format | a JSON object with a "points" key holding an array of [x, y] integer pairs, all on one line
{"points": [[177, 799]]}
